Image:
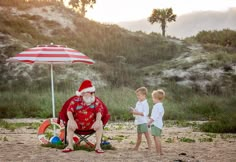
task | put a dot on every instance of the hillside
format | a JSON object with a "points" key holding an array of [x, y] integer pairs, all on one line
{"points": [[189, 24], [198, 69], [117, 52]]}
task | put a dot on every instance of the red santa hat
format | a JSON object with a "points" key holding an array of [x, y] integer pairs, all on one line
{"points": [[86, 86]]}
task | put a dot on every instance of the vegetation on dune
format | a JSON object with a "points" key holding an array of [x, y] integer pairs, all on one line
{"points": [[26, 4], [224, 37], [120, 51], [218, 110]]}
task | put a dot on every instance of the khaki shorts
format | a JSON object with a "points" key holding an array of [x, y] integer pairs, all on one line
{"points": [[142, 128], [156, 131]]}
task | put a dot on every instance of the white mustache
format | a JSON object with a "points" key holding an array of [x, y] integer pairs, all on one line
{"points": [[89, 100]]}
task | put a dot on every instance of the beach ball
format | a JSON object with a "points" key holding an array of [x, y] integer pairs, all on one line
{"points": [[105, 143], [55, 140]]}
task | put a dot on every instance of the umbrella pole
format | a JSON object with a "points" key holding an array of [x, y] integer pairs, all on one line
{"points": [[53, 100]]}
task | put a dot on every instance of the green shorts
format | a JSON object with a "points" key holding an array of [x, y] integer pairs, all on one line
{"points": [[156, 131], [142, 128]]}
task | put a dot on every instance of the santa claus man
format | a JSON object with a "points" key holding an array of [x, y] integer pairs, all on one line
{"points": [[86, 112]]}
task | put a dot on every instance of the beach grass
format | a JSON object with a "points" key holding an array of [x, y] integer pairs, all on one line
{"points": [[189, 106], [13, 126]]}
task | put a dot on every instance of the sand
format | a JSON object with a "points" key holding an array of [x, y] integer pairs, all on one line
{"points": [[22, 144]]}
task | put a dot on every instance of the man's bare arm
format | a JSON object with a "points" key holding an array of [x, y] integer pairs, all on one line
{"points": [[98, 116], [71, 121], [70, 115]]}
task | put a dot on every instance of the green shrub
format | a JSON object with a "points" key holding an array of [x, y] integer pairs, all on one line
{"points": [[169, 140], [188, 140], [205, 140], [225, 37], [225, 124]]}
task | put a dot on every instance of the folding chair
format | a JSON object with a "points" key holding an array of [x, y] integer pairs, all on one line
{"points": [[82, 134]]}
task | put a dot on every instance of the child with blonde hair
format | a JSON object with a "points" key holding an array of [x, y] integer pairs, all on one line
{"points": [[156, 119], [141, 112]]}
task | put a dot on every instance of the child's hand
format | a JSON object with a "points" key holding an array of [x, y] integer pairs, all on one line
{"points": [[150, 122], [131, 109]]}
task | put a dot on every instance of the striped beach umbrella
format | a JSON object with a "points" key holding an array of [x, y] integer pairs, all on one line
{"points": [[51, 54]]}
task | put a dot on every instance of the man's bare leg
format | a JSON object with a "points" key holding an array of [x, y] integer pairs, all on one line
{"points": [[99, 132], [98, 138], [70, 134]]}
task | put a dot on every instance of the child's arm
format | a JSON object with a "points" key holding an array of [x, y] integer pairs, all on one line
{"points": [[150, 122], [134, 112], [153, 116]]}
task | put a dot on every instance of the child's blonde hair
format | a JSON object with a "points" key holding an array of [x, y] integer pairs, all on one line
{"points": [[159, 94], [142, 90]]}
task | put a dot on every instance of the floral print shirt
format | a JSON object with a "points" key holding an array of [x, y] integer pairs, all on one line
{"points": [[85, 115]]}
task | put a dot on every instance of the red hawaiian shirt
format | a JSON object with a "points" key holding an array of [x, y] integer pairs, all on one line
{"points": [[84, 115]]}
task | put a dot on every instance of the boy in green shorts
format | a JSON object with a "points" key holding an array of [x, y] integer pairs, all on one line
{"points": [[156, 121], [140, 113]]}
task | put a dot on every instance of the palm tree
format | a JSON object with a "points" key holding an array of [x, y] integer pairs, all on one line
{"points": [[162, 16], [81, 5]]}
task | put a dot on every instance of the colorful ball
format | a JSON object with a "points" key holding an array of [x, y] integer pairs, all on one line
{"points": [[55, 140], [105, 143]]}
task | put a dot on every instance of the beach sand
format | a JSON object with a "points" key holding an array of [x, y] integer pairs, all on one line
{"points": [[22, 144]]}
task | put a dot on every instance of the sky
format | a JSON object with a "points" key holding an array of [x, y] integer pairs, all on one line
{"points": [[113, 11]]}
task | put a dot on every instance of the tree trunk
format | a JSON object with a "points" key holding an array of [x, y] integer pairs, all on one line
{"points": [[163, 28], [163, 32]]}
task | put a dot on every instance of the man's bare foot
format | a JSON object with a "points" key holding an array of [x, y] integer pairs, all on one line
{"points": [[67, 149]]}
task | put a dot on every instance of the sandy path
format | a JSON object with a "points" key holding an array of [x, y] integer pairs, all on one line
{"points": [[23, 145]]}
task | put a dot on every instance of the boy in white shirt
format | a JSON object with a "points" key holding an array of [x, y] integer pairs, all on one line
{"points": [[156, 118], [140, 113]]}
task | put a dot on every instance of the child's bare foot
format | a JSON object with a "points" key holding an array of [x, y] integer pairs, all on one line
{"points": [[135, 149], [160, 153]]}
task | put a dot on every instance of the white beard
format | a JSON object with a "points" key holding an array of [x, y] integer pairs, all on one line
{"points": [[89, 100]]}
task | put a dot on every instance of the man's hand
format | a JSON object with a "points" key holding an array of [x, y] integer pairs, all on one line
{"points": [[72, 124]]}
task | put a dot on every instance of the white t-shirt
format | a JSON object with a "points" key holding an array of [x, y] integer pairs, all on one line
{"points": [[157, 115], [144, 108]]}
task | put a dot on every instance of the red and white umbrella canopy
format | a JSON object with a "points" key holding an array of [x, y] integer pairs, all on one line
{"points": [[51, 54]]}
